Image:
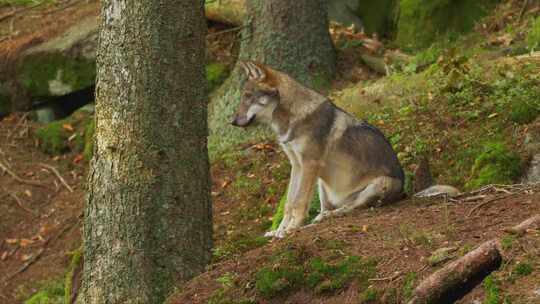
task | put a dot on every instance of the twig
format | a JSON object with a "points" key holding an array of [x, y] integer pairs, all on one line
{"points": [[397, 274], [20, 204], [38, 254], [62, 180], [17, 125], [15, 12], [487, 202], [523, 9], [20, 180]]}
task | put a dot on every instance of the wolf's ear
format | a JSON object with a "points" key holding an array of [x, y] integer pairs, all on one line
{"points": [[254, 71]]}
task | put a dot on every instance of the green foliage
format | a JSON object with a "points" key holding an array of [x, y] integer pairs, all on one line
{"points": [[36, 72], [408, 285], [286, 273], [422, 22], [492, 290], [314, 209], [49, 294], [522, 269], [24, 2], [495, 165], [533, 38], [216, 73], [239, 243]]}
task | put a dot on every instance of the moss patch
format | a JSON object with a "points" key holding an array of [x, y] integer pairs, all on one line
{"points": [[293, 269], [216, 73], [495, 165], [422, 22], [74, 133], [52, 293], [40, 73]]}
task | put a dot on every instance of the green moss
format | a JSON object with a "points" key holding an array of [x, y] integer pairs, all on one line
{"points": [[272, 281], [216, 73], [507, 241], [422, 22], [533, 38], [36, 72], [238, 244], [49, 294], [495, 165], [75, 259], [314, 208], [53, 138]]}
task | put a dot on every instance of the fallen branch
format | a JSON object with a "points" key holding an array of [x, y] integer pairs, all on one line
{"points": [[457, 278], [20, 203], [62, 180], [391, 278], [532, 223], [20, 180]]}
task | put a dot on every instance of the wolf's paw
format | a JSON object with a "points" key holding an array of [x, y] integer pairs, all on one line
{"points": [[271, 233]]}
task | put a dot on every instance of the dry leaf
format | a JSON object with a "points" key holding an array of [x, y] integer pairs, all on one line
{"points": [[12, 241], [78, 158], [364, 228], [4, 256], [26, 257], [26, 242], [68, 127], [28, 193]]}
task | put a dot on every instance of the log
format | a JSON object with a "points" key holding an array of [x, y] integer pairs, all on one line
{"points": [[456, 279], [532, 223], [226, 11]]}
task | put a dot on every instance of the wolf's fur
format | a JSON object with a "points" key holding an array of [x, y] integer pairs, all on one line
{"points": [[350, 161]]}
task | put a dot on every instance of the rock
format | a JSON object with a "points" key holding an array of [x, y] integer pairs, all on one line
{"points": [[532, 146]]}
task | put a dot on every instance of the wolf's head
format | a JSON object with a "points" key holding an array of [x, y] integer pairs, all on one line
{"points": [[260, 96]]}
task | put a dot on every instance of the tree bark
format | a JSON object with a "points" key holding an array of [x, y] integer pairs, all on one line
{"points": [[457, 278], [290, 36], [148, 212]]}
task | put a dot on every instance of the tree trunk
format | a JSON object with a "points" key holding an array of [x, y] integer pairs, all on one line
{"points": [[148, 211], [290, 36]]}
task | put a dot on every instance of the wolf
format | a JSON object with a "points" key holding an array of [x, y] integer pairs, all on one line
{"points": [[351, 162]]}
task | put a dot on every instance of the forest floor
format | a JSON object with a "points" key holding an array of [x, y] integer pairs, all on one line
{"points": [[371, 256]]}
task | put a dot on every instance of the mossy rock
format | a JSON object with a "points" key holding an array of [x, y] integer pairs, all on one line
{"points": [[74, 133], [495, 165], [533, 38], [421, 22], [52, 74]]}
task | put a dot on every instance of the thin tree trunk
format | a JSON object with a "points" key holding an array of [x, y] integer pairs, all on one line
{"points": [[148, 212], [290, 36]]}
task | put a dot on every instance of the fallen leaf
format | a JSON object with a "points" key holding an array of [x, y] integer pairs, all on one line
{"points": [[364, 228], [25, 242], [26, 257], [12, 241], [28, 193], [4, 256], [68, 127], [78, 158]]}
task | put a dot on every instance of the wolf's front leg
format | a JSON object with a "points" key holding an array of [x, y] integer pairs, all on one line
{"points": [[301, 197], [293, 184]]}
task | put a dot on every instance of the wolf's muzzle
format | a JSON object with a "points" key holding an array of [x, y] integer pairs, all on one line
{"points": [[242, 121]]}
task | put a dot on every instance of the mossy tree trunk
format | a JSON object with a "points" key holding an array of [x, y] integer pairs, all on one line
{"points": [[291, 36], [148, 212]]}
